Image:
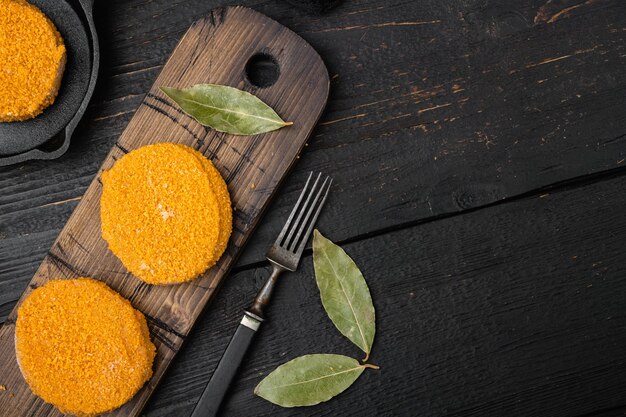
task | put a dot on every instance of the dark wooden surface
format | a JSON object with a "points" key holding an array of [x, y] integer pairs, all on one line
{"points": [[478, 150]]}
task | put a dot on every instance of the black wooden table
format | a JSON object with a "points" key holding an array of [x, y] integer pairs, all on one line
{"points": [[479, 155]]}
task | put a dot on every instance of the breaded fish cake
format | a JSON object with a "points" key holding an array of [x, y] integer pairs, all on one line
{"points": [[160, 214], [82, 347], [32, 61]]}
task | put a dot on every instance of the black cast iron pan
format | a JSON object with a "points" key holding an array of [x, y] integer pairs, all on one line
{"points": [[47, 136]]}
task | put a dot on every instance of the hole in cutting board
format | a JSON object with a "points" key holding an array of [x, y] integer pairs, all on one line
{"points": [[262, 70]]}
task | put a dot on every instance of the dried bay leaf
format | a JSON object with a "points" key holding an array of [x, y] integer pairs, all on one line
{"points": [[344, 292], [312, 379], [226, 109], [309, 380]]}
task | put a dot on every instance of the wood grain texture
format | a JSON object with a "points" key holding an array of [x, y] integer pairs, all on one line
{"points": [[214, 50], [513, 310], [542, 80], [519, 109]]}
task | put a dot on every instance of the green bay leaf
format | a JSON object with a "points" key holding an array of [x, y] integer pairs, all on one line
{"points": [[226, 109], [344, 292], [309, 380]]}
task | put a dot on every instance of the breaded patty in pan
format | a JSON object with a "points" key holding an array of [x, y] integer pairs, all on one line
{"points": [[32, 61]]}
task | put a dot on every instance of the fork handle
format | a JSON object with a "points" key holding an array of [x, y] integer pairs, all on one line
{"points": [[215, 391], [263, 297]]}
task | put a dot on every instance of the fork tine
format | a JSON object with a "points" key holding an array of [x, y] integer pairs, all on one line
{"points": [[279, 239], [310, 223], [301, 210], [306, 211]]}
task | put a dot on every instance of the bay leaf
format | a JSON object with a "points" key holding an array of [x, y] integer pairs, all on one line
{"points": [[344, 292], [226, 109], [309, 380]]}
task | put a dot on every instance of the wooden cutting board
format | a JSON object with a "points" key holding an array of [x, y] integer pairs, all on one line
{"points": [[215, 50]]}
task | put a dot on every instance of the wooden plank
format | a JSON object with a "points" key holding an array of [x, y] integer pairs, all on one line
{"points": [[215, 50], [514, 310], [536, 102]]}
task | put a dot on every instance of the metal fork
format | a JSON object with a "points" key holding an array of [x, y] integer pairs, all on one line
{"points": [[284, 255]]}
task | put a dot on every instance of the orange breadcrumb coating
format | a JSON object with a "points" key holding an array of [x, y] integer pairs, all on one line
{"points": [[221, 192], [161, 214], [32, 60], [82, 347]]}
